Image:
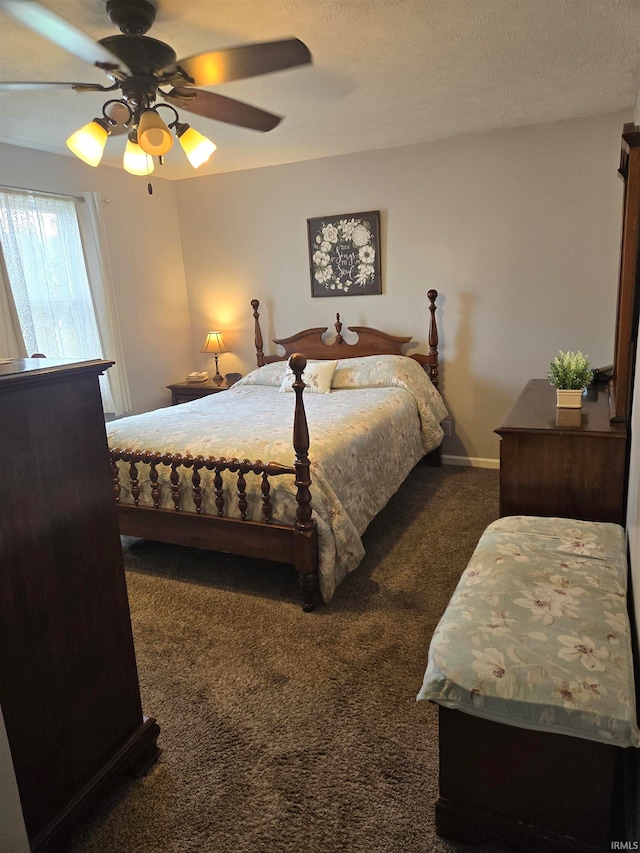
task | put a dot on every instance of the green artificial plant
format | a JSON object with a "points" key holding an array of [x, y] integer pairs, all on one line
{"points": [[570, 370]]}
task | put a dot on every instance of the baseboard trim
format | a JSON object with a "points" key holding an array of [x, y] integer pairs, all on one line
{"points": [[470, 461]]}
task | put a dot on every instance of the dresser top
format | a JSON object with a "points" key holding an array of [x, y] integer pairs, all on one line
{"points": [[535, 410], [23, 370]]}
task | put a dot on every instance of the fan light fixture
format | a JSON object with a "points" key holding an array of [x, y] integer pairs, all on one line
{"points": [[149, 137], [135, 160], [88, 143], [154, 136], [196, 146]]}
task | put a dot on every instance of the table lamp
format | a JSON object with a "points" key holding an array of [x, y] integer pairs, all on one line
{"points": [[214, 343]]}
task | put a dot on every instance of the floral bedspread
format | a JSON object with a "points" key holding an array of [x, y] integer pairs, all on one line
{"points": [[537, 633], [363, 444]]}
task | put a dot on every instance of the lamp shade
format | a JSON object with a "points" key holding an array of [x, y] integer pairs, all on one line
{"points": [[196, 146], [154, 136], [214, 343], [88, 143], [136, 161]]}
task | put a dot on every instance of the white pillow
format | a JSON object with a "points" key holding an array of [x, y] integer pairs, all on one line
{"points": [[268, 374], [317, 377]]}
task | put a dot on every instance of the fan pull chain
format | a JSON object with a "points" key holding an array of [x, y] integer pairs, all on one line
{"points": [[160, 163]]}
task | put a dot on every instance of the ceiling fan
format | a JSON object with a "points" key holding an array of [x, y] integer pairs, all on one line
{"points": [[146, 70]]}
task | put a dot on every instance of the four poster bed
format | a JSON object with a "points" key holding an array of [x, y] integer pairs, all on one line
{"points": [[193, 474]]}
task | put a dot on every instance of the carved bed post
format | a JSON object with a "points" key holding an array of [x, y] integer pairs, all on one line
{"points": [[305, 537], [432, 295], [255, 304]]}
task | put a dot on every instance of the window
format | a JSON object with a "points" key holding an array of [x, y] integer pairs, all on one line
{"points": [[58, 286]]}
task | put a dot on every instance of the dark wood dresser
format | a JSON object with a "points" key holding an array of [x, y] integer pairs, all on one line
{"points": [[68, 678], [562, 462]]}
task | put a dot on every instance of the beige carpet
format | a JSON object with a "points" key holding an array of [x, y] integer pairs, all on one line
{"points": [[286, 732]]}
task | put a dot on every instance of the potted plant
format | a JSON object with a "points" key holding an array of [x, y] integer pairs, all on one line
{"points": [[570, 372]]}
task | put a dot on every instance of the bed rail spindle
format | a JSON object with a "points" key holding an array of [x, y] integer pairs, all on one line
{"points": [[245, 466], [155, 486], [338, 327], [114, 456], [196, 480], [265, 488], [175, 481], [217, 485], [133, 480]]}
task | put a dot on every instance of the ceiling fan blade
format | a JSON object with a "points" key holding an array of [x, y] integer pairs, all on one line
{"points": [[61, 32], [236, 63], [23, 86], [220, 108]]}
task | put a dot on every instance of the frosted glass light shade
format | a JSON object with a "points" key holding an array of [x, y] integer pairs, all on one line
{"points": [[88, 142], [154, 136], [196, 146], [136, 161]]}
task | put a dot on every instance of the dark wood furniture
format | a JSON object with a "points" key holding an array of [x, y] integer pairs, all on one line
{"points": [[629, 278], [297, 544], [563, 806], [68, 678], [564, 462], [184, 392]]}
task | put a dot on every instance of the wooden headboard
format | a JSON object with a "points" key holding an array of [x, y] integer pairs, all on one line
{"points": [[370, 342]]}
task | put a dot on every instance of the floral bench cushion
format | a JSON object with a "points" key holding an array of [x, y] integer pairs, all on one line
{"points": [[537, 633]]}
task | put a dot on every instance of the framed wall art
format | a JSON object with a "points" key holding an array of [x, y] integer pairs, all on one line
{"points": [[344, 254]]}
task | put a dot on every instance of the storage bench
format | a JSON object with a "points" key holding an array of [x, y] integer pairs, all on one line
{"points": [[532, 668]]}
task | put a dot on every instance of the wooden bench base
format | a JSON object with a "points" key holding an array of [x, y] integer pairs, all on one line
{"points": [[537, 790]]}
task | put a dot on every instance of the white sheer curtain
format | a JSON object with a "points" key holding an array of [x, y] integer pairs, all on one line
{"points": [[11, 341], [58, 284]]}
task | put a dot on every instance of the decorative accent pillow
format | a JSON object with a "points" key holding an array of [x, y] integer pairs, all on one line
{"points": [[373, 371], [269, 374], [317, 377]]}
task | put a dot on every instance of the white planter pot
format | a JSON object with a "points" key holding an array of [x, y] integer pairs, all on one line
{"points": [[569, 398]]}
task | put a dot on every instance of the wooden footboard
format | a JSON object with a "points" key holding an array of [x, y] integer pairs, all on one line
{"points": [[296, 544]]}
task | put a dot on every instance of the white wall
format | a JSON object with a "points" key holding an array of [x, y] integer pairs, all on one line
{"points": [[519, 230], [145, 257]]}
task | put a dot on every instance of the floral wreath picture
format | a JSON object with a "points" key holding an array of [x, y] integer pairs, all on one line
{"points": [[344, 254]]}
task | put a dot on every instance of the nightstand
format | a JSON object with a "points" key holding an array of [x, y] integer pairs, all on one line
{"points": [[184, 392], [564, 462]]}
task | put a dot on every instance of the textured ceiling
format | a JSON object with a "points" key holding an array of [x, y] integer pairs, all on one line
{"points": [[385, 72]]}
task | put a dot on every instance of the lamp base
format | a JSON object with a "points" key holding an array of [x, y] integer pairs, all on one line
{"points": [[218, 378]]}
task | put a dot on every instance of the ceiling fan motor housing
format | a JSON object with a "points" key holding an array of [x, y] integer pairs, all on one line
{"points": [[141, 54], [132, 17]]}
